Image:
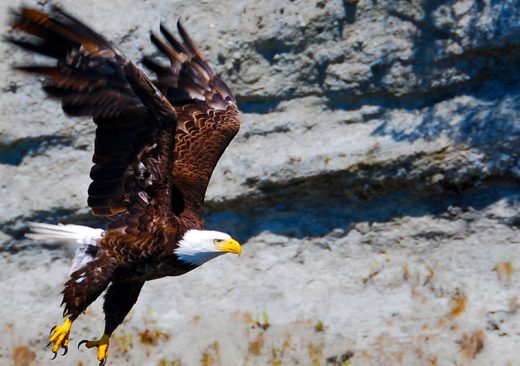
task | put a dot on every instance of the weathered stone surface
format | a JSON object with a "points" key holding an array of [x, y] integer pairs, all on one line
{"points": [[375, 182]]}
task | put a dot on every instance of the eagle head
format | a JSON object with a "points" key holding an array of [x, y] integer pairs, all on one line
{"points": [[199, 246]]}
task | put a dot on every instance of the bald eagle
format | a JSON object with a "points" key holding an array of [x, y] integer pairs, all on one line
{"points": [[156, 145]]}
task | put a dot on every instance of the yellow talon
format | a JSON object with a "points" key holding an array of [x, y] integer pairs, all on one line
{"points": [[60, 336], [102, 346]]}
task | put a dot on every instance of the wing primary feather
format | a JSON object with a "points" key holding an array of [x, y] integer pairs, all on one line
{"points": [[84, 29], [35, 47], [168, 51], [155, 66], [189, 42], [172, 40]]}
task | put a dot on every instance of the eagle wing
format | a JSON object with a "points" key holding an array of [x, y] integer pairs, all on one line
{"points": [[156, 143], [131, 176], [207, 116]]}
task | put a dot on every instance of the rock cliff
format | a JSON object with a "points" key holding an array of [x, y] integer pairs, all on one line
{"points": [[374, 182]]}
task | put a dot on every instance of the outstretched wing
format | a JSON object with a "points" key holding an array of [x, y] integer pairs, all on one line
{"points": [[135, 122], [207, 114]]}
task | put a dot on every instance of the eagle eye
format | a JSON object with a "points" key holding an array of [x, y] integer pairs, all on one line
{"points": [[218, 241]]}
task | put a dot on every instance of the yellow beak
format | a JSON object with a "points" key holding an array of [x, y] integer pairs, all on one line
{"points": [[231, 246]]}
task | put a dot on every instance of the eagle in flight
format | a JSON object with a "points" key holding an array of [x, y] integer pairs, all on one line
{"points": [[156, 145]]}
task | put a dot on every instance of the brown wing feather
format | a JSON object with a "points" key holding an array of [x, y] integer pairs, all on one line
{"points": [[207, 115], [135, 122]]}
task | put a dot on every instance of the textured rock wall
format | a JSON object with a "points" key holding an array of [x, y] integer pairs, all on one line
{"points": [[375, 182]]}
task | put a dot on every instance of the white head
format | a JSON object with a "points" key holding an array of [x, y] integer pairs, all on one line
{"points": [[199, 246]]}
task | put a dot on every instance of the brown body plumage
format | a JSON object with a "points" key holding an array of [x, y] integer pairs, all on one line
{"points": [[156, 146]]}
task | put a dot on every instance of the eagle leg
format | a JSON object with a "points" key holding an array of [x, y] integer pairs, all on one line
{"points": [[86, 284], [83, 287], [102, 348], [119, 299], [60, 337]]}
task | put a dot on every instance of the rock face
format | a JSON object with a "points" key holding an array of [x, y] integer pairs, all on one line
{"points": [[375, 184]]}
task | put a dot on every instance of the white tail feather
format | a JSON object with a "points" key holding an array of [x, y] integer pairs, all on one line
{"points": [[64, 233], [71, 234]]}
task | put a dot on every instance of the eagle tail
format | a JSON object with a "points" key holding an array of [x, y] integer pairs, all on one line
{"points": [[65, 233], [85, 236]]}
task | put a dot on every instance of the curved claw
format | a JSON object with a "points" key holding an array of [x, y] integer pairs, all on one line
{"points": [[60, 337], [101, 345], [52, 330]]}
